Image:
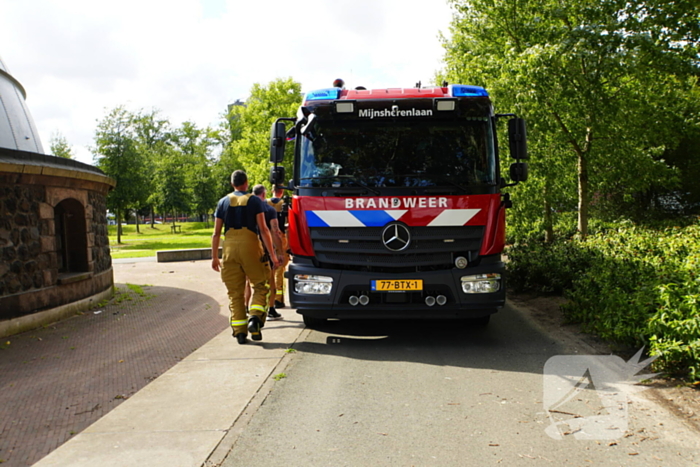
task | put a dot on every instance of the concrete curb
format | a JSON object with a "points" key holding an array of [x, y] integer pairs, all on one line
{"points": [[194, 254], [220, 454]]}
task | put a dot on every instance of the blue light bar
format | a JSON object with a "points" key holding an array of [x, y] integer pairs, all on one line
{"points": [[461, 90], [323, 94]]}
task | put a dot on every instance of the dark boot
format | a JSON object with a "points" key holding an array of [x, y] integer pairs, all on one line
{"points": [[255, 328], [273, 314]]}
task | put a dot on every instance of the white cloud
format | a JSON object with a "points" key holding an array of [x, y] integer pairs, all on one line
{"points": [[190, 58]]}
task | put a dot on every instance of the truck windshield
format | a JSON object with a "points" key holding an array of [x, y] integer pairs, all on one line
{"points": [[398, 154]]}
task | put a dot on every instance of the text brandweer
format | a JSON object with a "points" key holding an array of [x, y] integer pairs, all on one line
{"points": [[394, 203]]}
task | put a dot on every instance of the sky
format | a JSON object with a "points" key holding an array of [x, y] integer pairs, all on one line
{"points": [[188, 59]]}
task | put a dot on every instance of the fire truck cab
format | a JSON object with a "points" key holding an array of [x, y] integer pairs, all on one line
{"points": [[396, 208]]}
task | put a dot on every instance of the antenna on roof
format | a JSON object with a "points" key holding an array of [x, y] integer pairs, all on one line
{"points": [[418, 85]]}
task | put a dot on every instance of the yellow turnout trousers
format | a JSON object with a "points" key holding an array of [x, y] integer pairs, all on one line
{"points": [[279, 272], [243, 257]]}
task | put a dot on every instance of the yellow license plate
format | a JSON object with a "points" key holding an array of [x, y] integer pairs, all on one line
{"points": [[405, 285]]}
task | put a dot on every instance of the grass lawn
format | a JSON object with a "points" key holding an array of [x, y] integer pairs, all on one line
{"points": [[160, 237]]}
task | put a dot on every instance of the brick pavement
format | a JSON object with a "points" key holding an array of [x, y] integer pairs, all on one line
{"points": [[57, 381]]}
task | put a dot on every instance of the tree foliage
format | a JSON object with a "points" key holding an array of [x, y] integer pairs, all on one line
{"points": [[152, 140], [156, 166], [195, 153], [610, 92], [116, 153], [170, 190], [59, 146], [249, 127], [603, 85]]}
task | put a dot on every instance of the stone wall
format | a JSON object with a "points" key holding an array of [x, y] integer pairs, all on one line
{"points": [[100, 244], [33, 272], [23, 263]]}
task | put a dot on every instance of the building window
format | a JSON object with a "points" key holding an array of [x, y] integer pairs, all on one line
{"points": [[71, 236]]}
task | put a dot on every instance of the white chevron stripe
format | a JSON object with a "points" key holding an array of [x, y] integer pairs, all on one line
{"points": [[395, 214], [339, 219], [453, 217]]}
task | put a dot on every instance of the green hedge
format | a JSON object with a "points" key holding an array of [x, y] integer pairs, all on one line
{"points": [[632, 285]]}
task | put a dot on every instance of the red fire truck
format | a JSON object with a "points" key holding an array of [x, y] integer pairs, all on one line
{"points": [[396, 208]]}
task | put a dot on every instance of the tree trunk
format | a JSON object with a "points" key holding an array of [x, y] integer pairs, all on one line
{"points": [[119, 226], [582, 195], [153, 218], [548, 227], [136, 215]]}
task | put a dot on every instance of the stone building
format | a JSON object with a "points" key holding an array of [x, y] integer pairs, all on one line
{"points": [[54, 250]]}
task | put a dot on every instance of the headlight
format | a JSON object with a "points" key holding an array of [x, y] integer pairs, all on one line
{"points": [[309, 284], [481, 283]]}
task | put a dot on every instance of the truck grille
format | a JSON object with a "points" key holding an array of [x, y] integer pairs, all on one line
{"points": [[361, 248]]}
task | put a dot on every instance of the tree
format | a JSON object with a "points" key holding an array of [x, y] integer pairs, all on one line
{"points": [[153, 139], [196, 148], [204, 194], [116, 153], [249, 127], [170, 190], [600, 77], [59, 146]]}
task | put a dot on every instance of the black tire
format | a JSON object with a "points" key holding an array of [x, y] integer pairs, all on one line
{"points": [[314, 323]]}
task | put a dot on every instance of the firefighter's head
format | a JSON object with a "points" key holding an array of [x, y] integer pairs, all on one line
{"points": [[260, 191], [239, 180], [278, 191]]}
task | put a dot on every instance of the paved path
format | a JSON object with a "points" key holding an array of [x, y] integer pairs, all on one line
{"points": [[385, 394], [83, 384]]}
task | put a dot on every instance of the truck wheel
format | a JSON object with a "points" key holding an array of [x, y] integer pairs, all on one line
{"points": [[314, 323]]}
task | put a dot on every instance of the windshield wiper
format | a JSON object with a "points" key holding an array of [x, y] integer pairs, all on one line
{"points": [[349, 178]]}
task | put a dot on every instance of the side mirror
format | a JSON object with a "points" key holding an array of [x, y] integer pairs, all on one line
{"points": [[519, 172], [517, 137], [277, 141], [277, 175]]}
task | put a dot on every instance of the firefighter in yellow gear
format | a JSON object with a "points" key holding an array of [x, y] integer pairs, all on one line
{"points": [[242, 218], [277, 236], [278, 203]]}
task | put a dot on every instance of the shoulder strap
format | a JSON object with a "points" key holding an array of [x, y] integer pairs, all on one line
{"points": [[237, 210], [238, 200], [276, 204]]}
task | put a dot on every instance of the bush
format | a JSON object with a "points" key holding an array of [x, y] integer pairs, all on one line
{"points": [[631, 285], [547, 268]]}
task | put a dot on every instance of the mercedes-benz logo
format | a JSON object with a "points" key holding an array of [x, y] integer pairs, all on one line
{"points": [[396, 237]]}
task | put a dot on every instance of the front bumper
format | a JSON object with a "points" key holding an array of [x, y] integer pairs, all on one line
{"points": [[410, 305]]}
